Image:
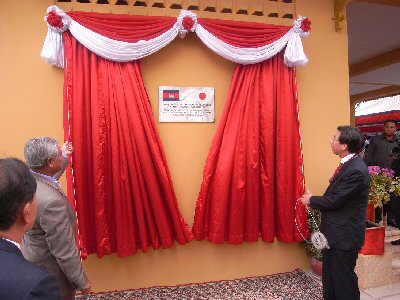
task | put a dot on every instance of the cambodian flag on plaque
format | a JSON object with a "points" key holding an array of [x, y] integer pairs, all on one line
{"points": [[170, 95], [186, 104]]}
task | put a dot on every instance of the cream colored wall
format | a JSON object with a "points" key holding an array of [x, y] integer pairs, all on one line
{"points": [[323, 91], [31, 105], [30, 91]]}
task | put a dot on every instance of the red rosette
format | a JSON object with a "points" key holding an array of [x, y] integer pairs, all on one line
{"points": [[54, 20], [306, 25], [187, 23]]}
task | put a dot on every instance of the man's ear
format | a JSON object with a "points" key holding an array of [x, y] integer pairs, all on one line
{"points": [[50, 162], [28, 213], [25, 213]]}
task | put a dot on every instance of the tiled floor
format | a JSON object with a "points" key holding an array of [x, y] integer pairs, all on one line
{"points": [[386, 292], [383, 292]]}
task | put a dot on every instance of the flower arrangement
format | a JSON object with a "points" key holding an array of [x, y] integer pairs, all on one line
{"points": [[302, 26], [188, 23], [306, 25], [54, 20], [383, 185], [57, 20], [314, 221]]}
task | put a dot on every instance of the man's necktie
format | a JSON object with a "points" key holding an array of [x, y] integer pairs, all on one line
{"points": [[336, 172]]}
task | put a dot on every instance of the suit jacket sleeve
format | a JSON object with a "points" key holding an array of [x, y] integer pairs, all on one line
{"points": [[370, 152], [46, 289], [341, 193], [60, 237]]}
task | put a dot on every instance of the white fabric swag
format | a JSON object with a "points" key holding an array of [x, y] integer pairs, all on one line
{"points": [[120, 51]]}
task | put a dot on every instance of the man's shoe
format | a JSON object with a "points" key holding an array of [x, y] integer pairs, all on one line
{"points": [[396, 242]]}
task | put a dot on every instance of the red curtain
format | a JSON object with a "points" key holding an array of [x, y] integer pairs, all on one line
{"points": [[123, 188], [237, 33], [130, 28], [126, 28], [253, 175]]}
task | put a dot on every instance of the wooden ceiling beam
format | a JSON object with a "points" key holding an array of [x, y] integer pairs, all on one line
{"points": [[339, 7], [383, 92], [377, 62], [383, 2]]}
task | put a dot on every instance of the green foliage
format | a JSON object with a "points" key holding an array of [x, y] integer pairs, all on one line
{"points": [[397, 186], [383, 185], [314, 215]]}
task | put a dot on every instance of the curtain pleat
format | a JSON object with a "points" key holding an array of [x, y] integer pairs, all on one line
{"points": [[237, 33], [253, 174], [121, 27], [123, 188]]}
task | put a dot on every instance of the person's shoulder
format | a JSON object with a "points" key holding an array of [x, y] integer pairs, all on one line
{"points": [[21, 276], [379, 137], [43, 182], [47, 191], [357, 163], [18, 264]]}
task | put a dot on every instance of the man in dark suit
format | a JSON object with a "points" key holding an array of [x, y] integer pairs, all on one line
{"points": [[20, 279], [343, 207]]}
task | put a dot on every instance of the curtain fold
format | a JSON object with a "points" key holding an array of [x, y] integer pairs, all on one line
{"points": [[125, 28], [237, 33], [253, 175], [123, 189]]}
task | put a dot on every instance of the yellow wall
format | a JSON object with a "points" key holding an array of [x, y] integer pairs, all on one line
{"points": [[31, 105]]}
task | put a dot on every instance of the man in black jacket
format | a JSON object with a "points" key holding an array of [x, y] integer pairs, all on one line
{"points": [[20, 279], [380, 154], [395, 199], [343, 207], [380, 148]]}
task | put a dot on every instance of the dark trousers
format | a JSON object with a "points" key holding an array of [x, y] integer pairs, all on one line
{"points": [[394, 208], [339, 281]]}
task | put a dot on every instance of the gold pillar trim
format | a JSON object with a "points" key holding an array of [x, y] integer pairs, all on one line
{"points": [[339, 13]]}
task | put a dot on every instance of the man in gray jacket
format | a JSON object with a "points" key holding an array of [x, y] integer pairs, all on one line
{"points": [[51, 242]]}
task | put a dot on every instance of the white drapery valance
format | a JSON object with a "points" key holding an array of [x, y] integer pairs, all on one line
{"points": [[122, 51]]}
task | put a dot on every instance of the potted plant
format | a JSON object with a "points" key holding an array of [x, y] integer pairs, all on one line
{"points": [[383, 185], [314, 222]]}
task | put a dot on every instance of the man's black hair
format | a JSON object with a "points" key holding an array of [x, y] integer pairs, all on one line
{"points": [[389, 121], [352, 137], [17, 187]]}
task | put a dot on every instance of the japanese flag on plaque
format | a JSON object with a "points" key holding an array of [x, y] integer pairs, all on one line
{"points": [[186, 104]]}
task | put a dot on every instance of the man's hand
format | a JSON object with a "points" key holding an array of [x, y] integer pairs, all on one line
{"points": [[67, 148], [305, 199]]}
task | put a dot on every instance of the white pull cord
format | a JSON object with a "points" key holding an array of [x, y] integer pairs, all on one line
{"points": [[318, 240]]}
